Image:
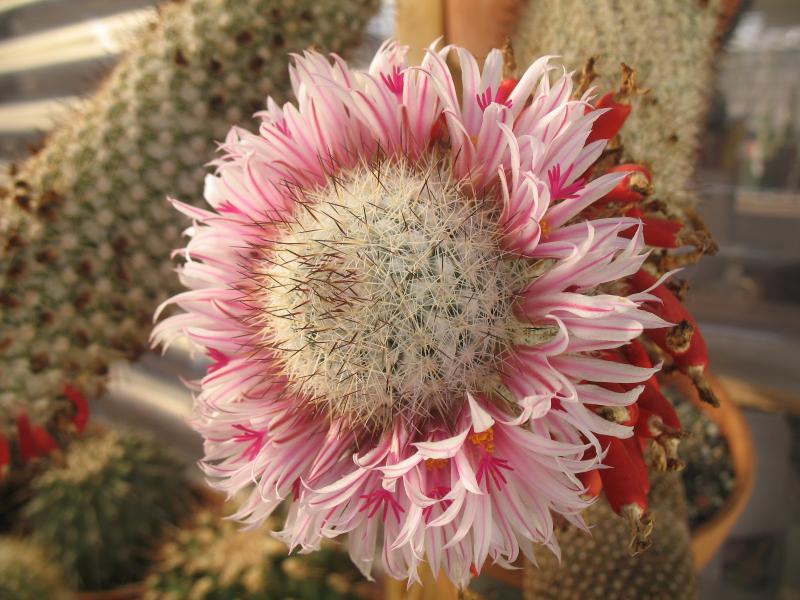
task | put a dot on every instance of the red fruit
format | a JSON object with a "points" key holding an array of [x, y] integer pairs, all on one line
{"points": [[637, 458], [633, 188], [27, 443], [661, 233], [683, 342], [5, 456], [504, 90], [592, 482], [651, 399], [45, 442], [625, 484], [81, 416], [610, 122], [637, 355], [438, 129]]}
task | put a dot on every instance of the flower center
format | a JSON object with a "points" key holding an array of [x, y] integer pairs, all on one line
{"points": [[388, 295]]}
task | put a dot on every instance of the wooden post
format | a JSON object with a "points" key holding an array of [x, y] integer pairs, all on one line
{"points": [[432, 588], [480, 25], [418, 23]]}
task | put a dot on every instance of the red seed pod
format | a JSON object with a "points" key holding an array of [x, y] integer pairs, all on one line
{"points": [[664, 449], [633, 188], [505, 88], [651, 399], [658, 232], [683, 342], [592, 482], [81, 416], [610, 122], [5, 456], [27, 443], [626, 491], [637, 458], [45, 442], [637, 355]]}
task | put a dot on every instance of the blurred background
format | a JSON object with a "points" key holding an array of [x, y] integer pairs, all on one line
{"points": [[746, 297]]}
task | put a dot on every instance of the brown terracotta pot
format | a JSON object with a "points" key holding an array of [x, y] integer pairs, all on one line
{"points": [[131, 591], [707, 538], [480, 25]]}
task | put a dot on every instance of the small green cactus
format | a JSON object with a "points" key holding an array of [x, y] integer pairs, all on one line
{"points": [[27, 573], [103, 510], [670, 43], [216, 560], [85, 228]]}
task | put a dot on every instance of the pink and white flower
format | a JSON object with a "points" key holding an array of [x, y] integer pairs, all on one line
{"points": [[405, 311]]}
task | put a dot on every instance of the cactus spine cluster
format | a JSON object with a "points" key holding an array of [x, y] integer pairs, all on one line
{"points": [[85, 230], [669, 43], [215, 560], [387, 241], [101, 512], [28, 573]]}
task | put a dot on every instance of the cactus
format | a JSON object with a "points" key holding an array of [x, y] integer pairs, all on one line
{"points": [[599, 566], [215, 560], [27, 573], [102, 510], [85, 230], [671, 45]]}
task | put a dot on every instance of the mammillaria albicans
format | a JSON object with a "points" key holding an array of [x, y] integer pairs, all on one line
{"points": [[414, 325]]}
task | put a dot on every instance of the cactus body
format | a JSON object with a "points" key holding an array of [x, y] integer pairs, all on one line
{"points": [[215, 560], [671, 45], [85, 228], [27, 573], [102, 511], [598, 566]]}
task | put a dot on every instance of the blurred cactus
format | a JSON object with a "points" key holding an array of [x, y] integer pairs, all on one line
{"points": [[669, 43], [27, 573], [215, 560], [85, 230], [102, 511]]}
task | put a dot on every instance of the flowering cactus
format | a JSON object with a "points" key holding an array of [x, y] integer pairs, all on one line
{"points": [[84, 229], [416, 324]]}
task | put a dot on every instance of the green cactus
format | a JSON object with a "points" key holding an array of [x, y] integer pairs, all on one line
{"points": [[670, 43], [27, 573], [102, 511], [85, 229], [215, 560]]}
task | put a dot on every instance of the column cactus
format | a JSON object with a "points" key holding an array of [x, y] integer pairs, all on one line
{"points": [[671, 45], [85, 228]]}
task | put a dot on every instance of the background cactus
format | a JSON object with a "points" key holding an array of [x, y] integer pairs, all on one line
{"points": [[670, 44], [85, 231], [27, 573], [100, 512], [599, 566], [215, 560]]}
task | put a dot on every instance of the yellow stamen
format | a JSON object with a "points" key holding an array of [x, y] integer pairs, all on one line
{"points": [[436, 463], [484, 439]]}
